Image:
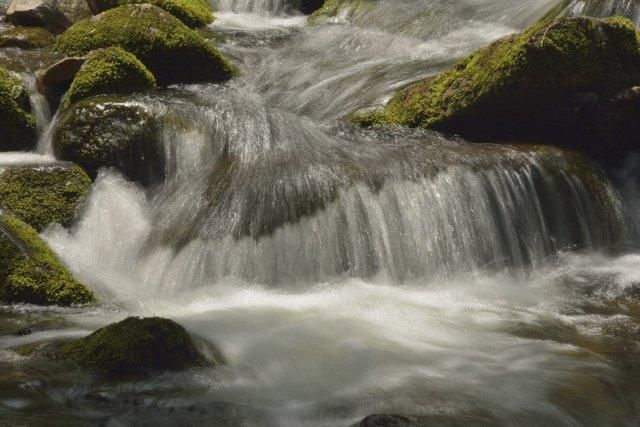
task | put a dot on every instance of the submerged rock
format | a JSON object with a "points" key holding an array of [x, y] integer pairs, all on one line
{"points": [[54, 15], [26, 38], [17, 127], [30, 272], [105, 132], [566, 82], [135, 347], [194, 13], [109, 71], [173, 52], [43, 194]]}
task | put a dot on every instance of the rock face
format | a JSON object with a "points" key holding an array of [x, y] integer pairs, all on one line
{"points": [[135, 347], [30, 272], [109, 71], [43, 194], [103, 132], [193, 13], [27, 38], [173, 52], [54, 15], [309, 6], [17, 127], [568, 82]]}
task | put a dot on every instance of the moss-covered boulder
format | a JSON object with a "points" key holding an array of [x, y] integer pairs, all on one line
{"points": [[135, 347], [333, 8], [562, 82], [26, 38], [108, 132], [194, 13], [108, 71], [17, 125], [43, 194], [172, 51], [30, 272]]}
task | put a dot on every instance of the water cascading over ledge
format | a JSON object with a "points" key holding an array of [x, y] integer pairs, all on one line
{"points": [[292, 202], [604, 8]]}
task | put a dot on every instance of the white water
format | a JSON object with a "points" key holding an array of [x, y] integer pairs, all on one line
{"points": [[344, 273]]}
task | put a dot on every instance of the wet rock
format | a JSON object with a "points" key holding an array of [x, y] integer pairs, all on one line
{"points": [[173, 52], [26, 38], [332, 8], [386, 421], [30, 272], [565, 82], [109, 71], [54, 15], [43, 194], [193, 13], [309, 6], [135, 347], [61, 72], [106, 132], [17, 127]]}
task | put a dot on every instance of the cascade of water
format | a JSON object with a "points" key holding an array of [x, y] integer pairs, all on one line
{"points": [[39, 104], [603, 8]]}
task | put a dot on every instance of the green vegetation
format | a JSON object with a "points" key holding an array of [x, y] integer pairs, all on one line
{"points": [[40, 195], [194, 13], [331, 9], [109, 71], [31, 273], [135, 347], [173, 52], [17, 127], [26, 38]]}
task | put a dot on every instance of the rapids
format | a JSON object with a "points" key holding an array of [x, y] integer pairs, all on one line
{"points": [[347, 272]]}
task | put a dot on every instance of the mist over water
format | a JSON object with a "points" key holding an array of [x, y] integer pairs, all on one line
{"points": [[346, 272]]}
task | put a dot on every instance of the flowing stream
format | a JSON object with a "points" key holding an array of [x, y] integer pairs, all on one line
{"points": [[347, 272]]}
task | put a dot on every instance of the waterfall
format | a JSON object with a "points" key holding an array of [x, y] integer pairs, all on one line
{"points": [[604, 8]]}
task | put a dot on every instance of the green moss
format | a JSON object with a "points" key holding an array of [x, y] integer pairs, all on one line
{"points": [[332, 8], [17, 127], [134, 347], [512, 86], [26, 38], [105, 132], [173, 52], [194, 13], [40, 195], [30, 272], [109, 71]]}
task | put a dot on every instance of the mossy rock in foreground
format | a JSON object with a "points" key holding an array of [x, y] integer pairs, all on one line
{"points": [[110, 132], [194, 13], [558, 82], [43, 194], [17, 125], [26, 38], [108, 71], [30, 272], [173, 52], [135, 347]]}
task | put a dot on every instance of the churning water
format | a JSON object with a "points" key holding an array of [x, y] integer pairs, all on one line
{"points": [[346, 272]]}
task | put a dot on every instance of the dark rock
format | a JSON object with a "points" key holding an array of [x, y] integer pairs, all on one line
{"points": [[54, 15]]}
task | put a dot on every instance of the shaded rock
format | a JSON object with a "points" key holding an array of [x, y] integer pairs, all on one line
{"points": [[109, 71], [17, 127], [54, 15], [43, 194], [193, 13], [309, 6], [173, 52], [565, 82], [386, 421], [61, 72], [27, 38], [135, 347], [30, 272], [104, 132]]}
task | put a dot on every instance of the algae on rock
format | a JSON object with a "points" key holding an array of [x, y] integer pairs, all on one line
{"points": [[194, 13], [30, 272], [17, 127]]}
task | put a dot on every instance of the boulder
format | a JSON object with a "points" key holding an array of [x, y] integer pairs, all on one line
{"points": [[193, 13], [30, 272], [54, 15], [108, 71], [60, 73], [43, 194], [332, 8], [173, 52], [568, 82], [17, 127], [107, 132], [26, 38], [135, 347], [309, 6]]}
